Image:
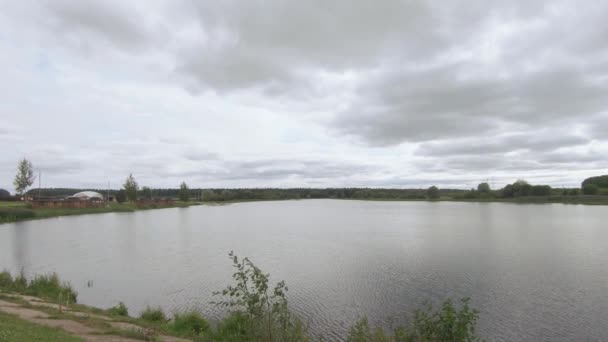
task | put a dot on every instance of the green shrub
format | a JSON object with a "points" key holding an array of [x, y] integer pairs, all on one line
{"points": [[447, 324], [119, 310], [153, 315], [189, 325], [266, 308], [6, 281], [234, 327]]}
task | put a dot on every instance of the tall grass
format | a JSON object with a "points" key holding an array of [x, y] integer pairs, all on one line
{"points": [[47, 286]]}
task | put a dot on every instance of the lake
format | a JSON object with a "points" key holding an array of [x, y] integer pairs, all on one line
{"points": [[535, 272]]}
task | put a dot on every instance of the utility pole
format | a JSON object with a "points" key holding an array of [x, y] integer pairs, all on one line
{"points": [[39, 183]]}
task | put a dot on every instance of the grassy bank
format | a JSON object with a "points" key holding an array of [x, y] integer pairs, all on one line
{"points": [[20, 211]]}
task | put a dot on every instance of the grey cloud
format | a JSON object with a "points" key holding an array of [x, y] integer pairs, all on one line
{"points": [[534, 141], [421, 105], [273, 169], [84, 23]]}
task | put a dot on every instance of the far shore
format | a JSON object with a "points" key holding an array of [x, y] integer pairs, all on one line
{"points": [[21, 212]]}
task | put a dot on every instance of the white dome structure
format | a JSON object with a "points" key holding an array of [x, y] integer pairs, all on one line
{"points": [[88, 195]]}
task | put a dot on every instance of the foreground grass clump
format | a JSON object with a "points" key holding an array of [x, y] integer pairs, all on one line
{"points": [[48, 286], [153, 315], [14, 329], [119, 310], [190, 325], [447, 324]]}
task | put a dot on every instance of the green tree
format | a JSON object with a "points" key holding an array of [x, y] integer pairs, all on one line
{"points": [[484, 188], [131, 188], [184, 192], [432, 192], [121, 196], [146, 193], [590, 189], [599, 181], [4, 193], [25, 176]]}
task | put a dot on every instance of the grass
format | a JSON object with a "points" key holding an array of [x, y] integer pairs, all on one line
{"points": [[19, 211], [14, 329], [153, 315], [48, 287]]}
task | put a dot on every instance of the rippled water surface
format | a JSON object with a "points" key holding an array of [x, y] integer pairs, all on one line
{"points": [[536, 272]]}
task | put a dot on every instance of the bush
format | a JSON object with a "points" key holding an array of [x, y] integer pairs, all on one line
{"points": [[153, 315], [6, 281], [446, 324], [267, 316], [189, 325], [119, 310]]}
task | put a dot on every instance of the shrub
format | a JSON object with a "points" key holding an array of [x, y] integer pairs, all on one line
{"points": [[153, 315], [447, 324], [234, 327], [6, 281], [119, 310], [267, 314], [189, 325]]}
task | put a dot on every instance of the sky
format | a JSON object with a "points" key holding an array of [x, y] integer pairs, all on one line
{"points": [[304, 93]]}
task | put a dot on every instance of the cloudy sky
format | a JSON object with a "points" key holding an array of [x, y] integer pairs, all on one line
{"points": [[304, 93]]}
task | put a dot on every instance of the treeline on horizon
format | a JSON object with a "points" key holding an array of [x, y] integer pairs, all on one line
{"points": [[520, 188]]}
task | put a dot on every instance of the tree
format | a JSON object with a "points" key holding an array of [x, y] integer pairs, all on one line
{"points": [[131, 188], [25, 176], [4, 193], [541, 190], [432, 192], [484, 188], [590, 189], [599, 181], [121, 196], [184, 192], [146, 193]]}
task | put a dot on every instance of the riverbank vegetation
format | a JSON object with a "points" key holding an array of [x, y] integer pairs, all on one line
{"points": [[20, 211], [255, 311]]}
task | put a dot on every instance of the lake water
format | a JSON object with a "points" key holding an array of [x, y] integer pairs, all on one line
{"points": [[536, 272]]}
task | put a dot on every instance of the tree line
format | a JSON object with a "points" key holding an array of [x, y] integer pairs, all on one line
{"points": [[131, 191]]}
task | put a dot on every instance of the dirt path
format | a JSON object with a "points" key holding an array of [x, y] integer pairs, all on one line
{"points": [[34, 310]]}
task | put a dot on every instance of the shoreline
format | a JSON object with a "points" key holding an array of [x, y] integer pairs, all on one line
{"points": [[44, 213]]}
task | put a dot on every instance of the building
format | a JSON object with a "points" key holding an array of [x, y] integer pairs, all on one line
{"points": [[86, 196]]}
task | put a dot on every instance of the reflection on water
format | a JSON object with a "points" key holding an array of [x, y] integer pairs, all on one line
{"points": [[536, 272]]}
